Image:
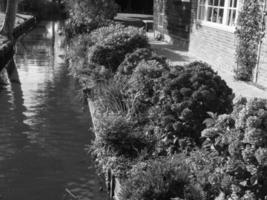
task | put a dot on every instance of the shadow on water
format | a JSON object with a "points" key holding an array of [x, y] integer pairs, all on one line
{"points": [[43, 129]]}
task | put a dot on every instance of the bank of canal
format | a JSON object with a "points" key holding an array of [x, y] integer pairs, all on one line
{"points": [[43, 130]]}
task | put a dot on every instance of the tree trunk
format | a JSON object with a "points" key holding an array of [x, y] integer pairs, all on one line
{"points": [[10, 19]]}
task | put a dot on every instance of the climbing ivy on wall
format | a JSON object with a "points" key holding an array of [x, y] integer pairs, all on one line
{"points": [[249, 35]]}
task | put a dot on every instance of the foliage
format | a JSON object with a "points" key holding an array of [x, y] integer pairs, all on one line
{"points": [[86, 15], [118, 136], [90, 72], [145, 85], [182, 103], [160, 179], [132, 60], [249, 35], [72, 29], [111, 51], [238, 143]]}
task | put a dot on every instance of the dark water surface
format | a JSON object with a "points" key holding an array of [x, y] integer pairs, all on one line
{"points": [[43, 129]]}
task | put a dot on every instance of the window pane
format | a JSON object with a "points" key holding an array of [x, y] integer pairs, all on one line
{"points": [[222, 3], [230, 3], [202, 2], [235, 3], [211, 2], [214, 15], [216, 2], [209, 14], [231, 17], [220, 17]]}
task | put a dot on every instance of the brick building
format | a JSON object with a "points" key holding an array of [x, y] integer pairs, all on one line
{"points": [[205, 28], [136, 6]]}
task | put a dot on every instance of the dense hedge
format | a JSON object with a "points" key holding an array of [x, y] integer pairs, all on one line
{"points": [[188, 94], [249, 35], [87, 15], [237, 145], [160, 179], [177, 99], [111, 51]]}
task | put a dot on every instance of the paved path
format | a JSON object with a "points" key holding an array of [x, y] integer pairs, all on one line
{"points": [[178, 57]]}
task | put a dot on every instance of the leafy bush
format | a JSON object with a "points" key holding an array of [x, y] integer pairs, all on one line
{"points": [[90, 74], [111, 51], [145, 85], [249, 35], [185, 97], [72, 29], [160, 179], [239, 143], [87, 15], [132, 60], [120, 137]]}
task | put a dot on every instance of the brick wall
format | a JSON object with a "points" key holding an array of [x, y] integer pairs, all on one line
{"points": [[176, 22], [213, 45]]}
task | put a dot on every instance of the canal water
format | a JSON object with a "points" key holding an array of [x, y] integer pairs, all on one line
{"points": [[43, 128]]}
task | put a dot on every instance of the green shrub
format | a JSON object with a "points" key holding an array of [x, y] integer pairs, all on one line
{"points": [[160, 179], [87, 15], [132, 60], [186, 95], [112, 50], [249, 35], [144, 85], [90, 74], [72, 29], [239, 141], [119, 137]]}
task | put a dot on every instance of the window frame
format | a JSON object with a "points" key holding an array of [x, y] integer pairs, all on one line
{"points": [[226, 9]]}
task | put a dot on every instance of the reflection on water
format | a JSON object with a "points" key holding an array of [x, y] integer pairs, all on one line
{"points": [[42, 127]]}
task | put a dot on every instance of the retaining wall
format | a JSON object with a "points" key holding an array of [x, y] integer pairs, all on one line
{"points": [[113, 184]]}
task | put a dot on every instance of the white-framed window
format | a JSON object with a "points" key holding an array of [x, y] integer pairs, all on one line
{"points": [[218, 12], [161, 12]]}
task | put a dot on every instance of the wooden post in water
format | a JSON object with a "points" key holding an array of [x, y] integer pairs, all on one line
{"points": [[12, 71]]}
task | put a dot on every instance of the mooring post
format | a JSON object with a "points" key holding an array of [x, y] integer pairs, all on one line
{"points": [[12, 71]]}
